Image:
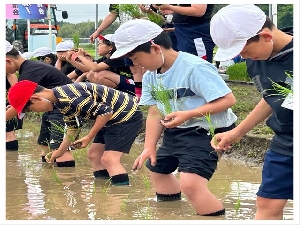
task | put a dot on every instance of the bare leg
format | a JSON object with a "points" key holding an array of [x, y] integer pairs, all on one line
{"points": [[269, 209], [112, 162], [94, 154], [165, 183], [196, 190]]}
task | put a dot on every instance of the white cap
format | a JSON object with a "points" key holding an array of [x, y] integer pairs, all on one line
{"points": [[27, 55], [42, 51], [232, 26], [132, 34], [9, 47], [109, 37], [64, 46]]}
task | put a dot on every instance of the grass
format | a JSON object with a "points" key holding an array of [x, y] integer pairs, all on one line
{"points": [[238, 72], [247, 97]]}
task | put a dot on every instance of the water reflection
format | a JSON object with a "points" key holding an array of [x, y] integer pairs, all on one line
{"points": [[33, 192]]}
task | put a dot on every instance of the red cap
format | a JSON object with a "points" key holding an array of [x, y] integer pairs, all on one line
{"points": [[100, 37], [19, 94]]}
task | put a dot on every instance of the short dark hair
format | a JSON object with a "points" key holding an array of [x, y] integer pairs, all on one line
{"points": [[162, 39], [14, 53], [38, 89], [268, 24]]}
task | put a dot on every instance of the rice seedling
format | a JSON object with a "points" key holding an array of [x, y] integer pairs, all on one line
{"points": [[55, 176], [212, 127], [283, 90], [162, 95], [237, 205]]}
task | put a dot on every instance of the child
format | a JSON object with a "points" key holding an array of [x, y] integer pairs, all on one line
{"points": [[269, 54], [116, 114], [195, 89], [47, 76]]}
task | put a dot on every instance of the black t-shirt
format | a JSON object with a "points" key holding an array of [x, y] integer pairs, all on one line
{"points": [[178, 18], [116, 66], [67, 68], [43, 74]]}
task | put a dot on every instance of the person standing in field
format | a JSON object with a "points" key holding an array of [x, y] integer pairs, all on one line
{"points": [[246, 30]]}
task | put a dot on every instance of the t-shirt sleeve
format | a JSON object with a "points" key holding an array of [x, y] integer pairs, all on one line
{"points": [[206, 82], [147, 98]]}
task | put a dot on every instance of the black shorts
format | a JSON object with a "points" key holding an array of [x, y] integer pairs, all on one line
{"points": [[187, 149], [120, 137], [50, 135], [14, 124]]}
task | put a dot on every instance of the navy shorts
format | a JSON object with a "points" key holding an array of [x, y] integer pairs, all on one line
{"points": [[277, 176], [195, 39], [120, 137], [50, 135], [187, 149], [126, 85]]}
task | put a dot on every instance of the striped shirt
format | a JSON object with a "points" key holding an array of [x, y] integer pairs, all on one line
{"points": [[87, 100]]}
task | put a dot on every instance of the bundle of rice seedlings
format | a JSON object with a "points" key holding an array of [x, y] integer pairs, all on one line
{"points": [[162, 95]]}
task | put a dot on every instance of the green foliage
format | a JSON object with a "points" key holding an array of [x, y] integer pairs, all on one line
{"points": [[281, 90], [238, 72], [132, 10], [76, 39], [156, 18]]}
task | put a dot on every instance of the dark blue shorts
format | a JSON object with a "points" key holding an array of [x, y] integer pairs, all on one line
{"points": [[187, 149], [120, 137], [126, 85], [50, 135], [277, 176]]}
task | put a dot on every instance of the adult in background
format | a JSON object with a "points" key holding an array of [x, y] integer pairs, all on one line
{"points": [[192, 23], [48, 76]]}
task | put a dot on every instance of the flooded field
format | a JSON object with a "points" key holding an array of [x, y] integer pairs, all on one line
{"points": [[36, 192]]}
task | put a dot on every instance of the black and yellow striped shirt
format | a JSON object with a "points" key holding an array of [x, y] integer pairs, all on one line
{"points": [[88, 100]]}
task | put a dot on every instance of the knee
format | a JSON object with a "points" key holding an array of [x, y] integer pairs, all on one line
{"points": [[107, 160]]}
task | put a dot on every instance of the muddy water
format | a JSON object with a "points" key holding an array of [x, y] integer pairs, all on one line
{"points": [[36, 192]]}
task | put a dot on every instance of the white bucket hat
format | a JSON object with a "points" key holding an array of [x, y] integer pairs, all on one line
{"points": [[132, 34], [232, 26], [64, 46], [42, 51], [27, 55], [8, 46]]}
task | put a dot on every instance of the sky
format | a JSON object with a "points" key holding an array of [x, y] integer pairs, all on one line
{"points": [[82, 12]]}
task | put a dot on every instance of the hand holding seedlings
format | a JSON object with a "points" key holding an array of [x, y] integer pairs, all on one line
{"points": [[48, 158]]}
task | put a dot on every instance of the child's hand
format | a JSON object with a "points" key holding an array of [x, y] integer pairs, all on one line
{"points": [[223, 141], [175, 119], [82, 142], [146, 154], [80, 52]]}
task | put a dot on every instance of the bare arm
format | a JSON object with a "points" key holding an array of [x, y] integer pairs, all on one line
{"points": [[223, 141], [12, 78], [11, 113], [219, 105], [153, 133], [194, 10], [261, 112], [108, 20], [95, 67]]}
